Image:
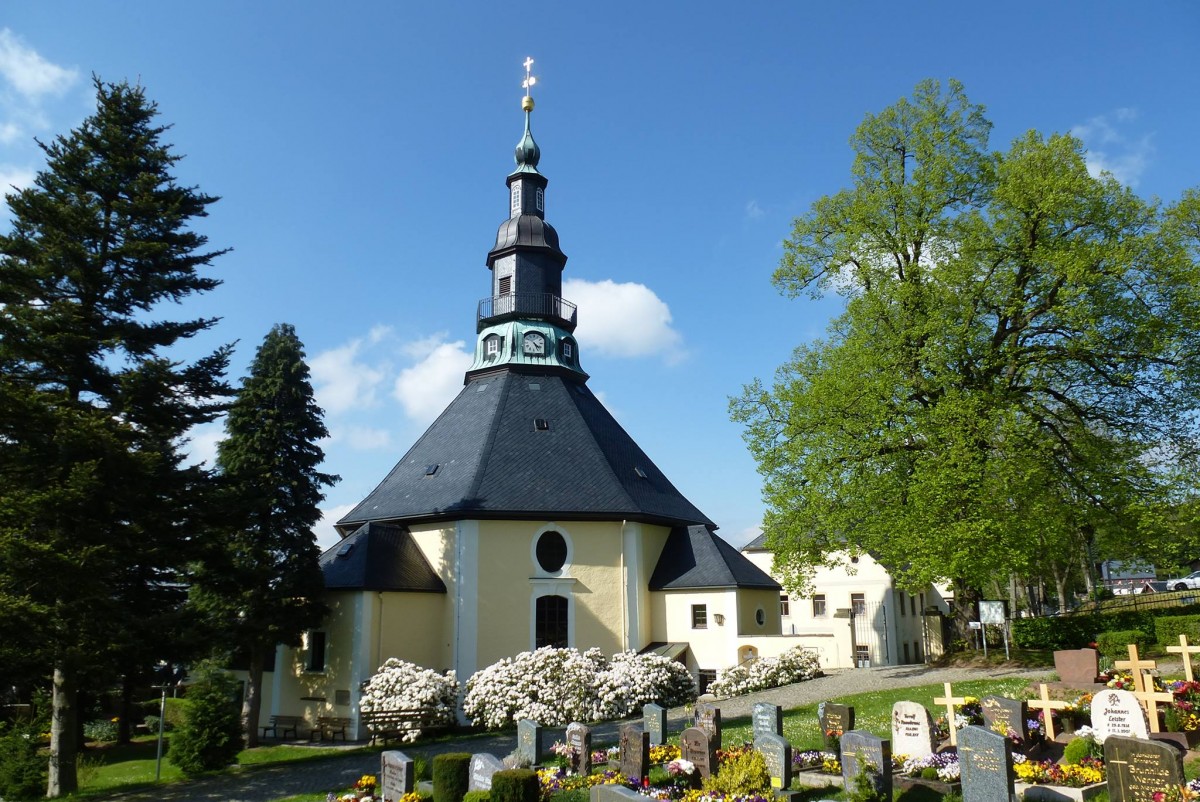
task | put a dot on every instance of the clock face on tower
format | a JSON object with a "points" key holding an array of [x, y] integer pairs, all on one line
{"points": [[535, 344]]}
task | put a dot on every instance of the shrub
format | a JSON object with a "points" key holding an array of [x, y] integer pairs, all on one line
{"points": [[1168, 628], [1115, 644], [451, 773], [210, 736], [1079, 748], [398, 685], [865, 787], [22, 770], [794, 665], [741, 774], [101, 729], [515, 785], [477, 796]]}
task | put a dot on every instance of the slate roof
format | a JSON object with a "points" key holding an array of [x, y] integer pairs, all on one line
{"points": [[694, 557], [485, 457], [758, 544], [379, 556]]}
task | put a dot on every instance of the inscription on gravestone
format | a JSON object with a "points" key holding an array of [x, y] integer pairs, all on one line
{"points": [[1009, 714], [985, 760], [767, 719], [483, 766], [1118, 713], [912, 729], [635, 752], [654, 719], [695, 746], [863, 751], [1136, 768], [395, 774], [529, 741], [776, 750], [836, 720], [708, 718], [579, 739]]}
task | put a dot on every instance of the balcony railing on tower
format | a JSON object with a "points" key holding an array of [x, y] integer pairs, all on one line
{"points": [[539, 305]]}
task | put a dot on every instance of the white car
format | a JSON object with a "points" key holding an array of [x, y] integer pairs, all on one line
{"points": [[1191, 581]]}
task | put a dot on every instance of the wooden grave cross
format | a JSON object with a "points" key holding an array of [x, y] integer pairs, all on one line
{"points": [[1136, 666], [1185, 651], [1047, 706], [1150, 699], [950, 700]]}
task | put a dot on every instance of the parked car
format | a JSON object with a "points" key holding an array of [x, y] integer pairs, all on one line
{"points": [[1191, 581]]}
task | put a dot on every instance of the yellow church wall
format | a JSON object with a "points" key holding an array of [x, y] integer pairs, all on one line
{"points": [[437, 543], [410, 626], [300, 692], [652, 541], [749, 602], [713, 646]]}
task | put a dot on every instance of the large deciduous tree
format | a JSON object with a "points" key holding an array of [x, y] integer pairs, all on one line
{"points": [[1015, 372], [262, 586], [94, 513]]}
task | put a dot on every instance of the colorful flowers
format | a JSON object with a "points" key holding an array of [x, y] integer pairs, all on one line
{"points": [[1045, 772]]}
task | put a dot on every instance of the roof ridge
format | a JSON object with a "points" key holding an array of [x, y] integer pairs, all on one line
{"points": [[504, 379], [629, 499]]}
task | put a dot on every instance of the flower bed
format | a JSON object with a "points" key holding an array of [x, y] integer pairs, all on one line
{"points": [[814, 760], [1088, 771], [794, 665]]}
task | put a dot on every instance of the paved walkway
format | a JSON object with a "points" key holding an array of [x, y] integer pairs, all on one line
{"points": [[339, 772]]}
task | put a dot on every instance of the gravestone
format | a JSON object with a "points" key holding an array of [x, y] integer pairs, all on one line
{"points": [[708, 718], [614, 793], [985, 760], [1002, 715], [483, 766], [1118, 713], [837, 720], [654, 720], [695, 746], [912, 729], [860, 749], [1137, 768], [579, 739], [635, 752], [396, 775], [776, 750], [1078, 667], [529, 742], [766, 719]]}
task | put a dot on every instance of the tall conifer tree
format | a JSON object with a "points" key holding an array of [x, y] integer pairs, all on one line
{"points": [[92, 404]]}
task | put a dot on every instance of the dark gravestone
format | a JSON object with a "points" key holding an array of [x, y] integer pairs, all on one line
{"points": [[912, 729], [695, 746], [836, 720], [1137, 768], [708, 718], [483, 766], [766, 719], [1079, 667], [614, 793], [529, 742], [776, 750], [862, 750], [985, 760], [396, 776], [654, 719], [635, 752], [1002, 715], [579, 740]]}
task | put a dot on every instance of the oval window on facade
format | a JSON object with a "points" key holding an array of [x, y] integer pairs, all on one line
{"points": [[760, 616], [551, 552]]}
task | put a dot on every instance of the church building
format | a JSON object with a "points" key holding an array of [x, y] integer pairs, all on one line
{"points": [[525, 516]]}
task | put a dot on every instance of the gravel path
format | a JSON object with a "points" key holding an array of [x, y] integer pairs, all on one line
{"points": [[267, 783]]}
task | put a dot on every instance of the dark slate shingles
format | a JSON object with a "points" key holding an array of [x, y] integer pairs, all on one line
{"points": [[694, 557], [379, 557]]}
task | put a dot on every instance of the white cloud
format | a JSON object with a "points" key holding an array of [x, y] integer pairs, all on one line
{"points": [[1110, 149], [326, 534], [341, 381], [623, 320], [15, 178], [424, 389], [753, 210], [201, 448], [26, 71], [743, 537], [362, 438]]}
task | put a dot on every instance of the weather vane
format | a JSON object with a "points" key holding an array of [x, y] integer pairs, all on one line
{"points": [[530, 80]]}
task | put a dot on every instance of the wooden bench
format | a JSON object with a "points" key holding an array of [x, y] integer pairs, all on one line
{"points": [[331, 726], [395, 724], [284, 725]]}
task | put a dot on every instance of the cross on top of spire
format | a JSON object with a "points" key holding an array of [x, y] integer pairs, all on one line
{"points": [[527, 85]]}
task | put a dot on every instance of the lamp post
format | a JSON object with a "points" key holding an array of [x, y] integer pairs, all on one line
{"points": [[162, 716]]}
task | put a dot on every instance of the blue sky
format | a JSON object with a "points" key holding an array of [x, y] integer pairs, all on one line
{"points": [[360, 150]]}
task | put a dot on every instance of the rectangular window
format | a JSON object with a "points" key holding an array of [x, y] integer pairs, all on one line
{"points": [[516, 198], [819, 605], [858, 604], [316, 651], [706, 677], [901, 605], [493, 346], [862, 656], [912, 602], [906, 653], [505, 285], [917, 650], [784, 608], [699, 616]]}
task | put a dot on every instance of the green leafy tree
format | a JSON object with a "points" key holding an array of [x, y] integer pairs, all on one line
{"points": [[94, 514], [210, 736], [1014, 373], [264, 584]]}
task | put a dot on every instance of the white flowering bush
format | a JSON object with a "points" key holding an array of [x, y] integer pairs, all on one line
{"points": [[557, 686], [399, 685], [794, 665]]}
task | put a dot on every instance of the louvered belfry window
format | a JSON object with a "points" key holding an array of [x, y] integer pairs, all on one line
{"points": [[506, 285]]}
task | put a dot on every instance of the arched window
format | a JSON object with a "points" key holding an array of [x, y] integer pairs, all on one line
{"points": [[550, 622]]}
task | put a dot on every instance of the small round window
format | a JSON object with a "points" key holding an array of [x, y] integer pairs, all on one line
{"points": [[760, 616], [551, 552]]}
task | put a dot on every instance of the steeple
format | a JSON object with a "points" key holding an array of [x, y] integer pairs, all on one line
{"points": [[525, 323]]}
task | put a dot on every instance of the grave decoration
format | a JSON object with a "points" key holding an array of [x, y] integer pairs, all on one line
{"points": [[813, 760], [961, 711], [1006, 716], [707, 717], [776, 750], [635, 752], [1087, 772], [1138, 769], [835, 719], [696, 748], [986, 765], [1185, 651], [1047, 710], [864, 752], [579, 748]]}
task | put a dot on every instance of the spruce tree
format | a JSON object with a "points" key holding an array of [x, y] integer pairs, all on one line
{"points": [[264, 586], [94, 403]]}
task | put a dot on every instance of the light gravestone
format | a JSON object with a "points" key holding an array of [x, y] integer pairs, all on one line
{"points": [[396, 776], [985, 760], [836, 720], [635, 752], [579, 739], [708, 718], [1009, 714], [1119, 713], [766, 719], [529, 742], [1137, 768], [483, 766], [861, 749], [912, 729], [695, 746], [776, 750], [654, 720]]}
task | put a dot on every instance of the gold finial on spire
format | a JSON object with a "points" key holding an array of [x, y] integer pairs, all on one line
{"points": [[530, 80]]}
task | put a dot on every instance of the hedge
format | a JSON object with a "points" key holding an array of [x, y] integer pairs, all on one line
{"points": [[1077, 631], [515, 785], [450, 776], [1168, 629], [1115, 644]]}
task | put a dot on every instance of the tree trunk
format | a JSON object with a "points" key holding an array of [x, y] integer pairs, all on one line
{"points": [[64, 747], [125, 723], [1060, 587], [966, 609], [252, 704], [1089, 582]]}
